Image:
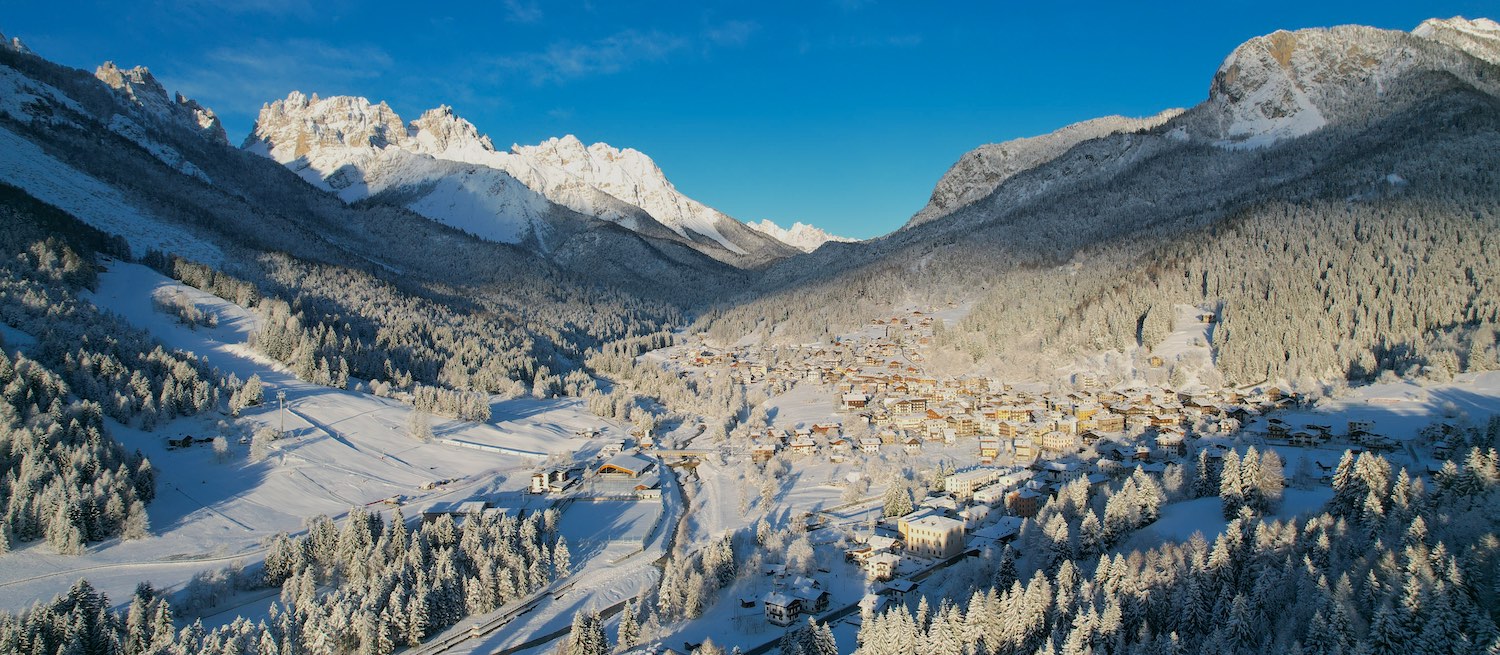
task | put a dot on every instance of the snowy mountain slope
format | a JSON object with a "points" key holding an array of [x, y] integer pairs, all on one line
{"points": [[980, 170], [255, 205], [1288, 84], [1271, 88], [50, 180], [1391, 103], [1479, 37], [142, 90], [348, 145], [800, 235]]}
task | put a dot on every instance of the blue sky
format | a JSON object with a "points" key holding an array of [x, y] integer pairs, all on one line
{"points": [[840, 113]]}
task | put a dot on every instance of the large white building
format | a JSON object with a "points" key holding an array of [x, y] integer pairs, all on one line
{"points": [[934, 536], [963, 483]]}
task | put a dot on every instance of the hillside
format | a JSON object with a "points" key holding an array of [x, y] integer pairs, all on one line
{"points": [[1070, 255]]}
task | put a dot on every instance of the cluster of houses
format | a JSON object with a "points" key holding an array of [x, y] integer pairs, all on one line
{"points": [[882, 387]]}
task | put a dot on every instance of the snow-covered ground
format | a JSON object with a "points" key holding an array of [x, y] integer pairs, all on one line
{"points": [[50, 180], [1401, 409], [1180, 520], [343, 448]]}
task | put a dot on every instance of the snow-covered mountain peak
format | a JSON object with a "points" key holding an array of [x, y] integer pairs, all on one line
{"points": [[292, 128], [141, 88], [632, 177], [1479, 37], [13, 44], [445, 135], [800, 235], [351, 146], [1287, 84]]}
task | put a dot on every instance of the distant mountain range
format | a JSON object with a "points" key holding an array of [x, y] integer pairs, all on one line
{"points": [[441, 167]]}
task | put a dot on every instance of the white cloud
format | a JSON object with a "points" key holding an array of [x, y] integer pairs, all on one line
{"points": [[730, 33], [517, 11], [564, 61]]}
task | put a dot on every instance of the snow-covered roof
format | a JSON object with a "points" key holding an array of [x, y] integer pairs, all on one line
{"points": [[778, 599], [636, 464], [939, 523]]}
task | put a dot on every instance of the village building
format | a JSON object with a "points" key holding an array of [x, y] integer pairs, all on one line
{"points": [[961, 485], [933, 536], [1024, 503], [624, 466]]}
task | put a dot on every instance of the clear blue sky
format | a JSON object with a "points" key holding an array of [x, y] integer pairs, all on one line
{"points": [[841, 113]]}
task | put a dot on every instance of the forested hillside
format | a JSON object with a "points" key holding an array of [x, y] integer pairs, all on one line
{"points": [[1314, 251]]}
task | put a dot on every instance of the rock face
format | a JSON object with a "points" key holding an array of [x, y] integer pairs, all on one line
{"points": [[982, 169], [800, 235], [1271, 88], [1287, 84], [1479, 37], [139, 87], [358, 149]]}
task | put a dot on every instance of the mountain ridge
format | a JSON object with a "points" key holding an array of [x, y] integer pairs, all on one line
{"points": [[321, 137]]}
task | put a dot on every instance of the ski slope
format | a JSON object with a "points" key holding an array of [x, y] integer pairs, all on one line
{"points": [[342, 448]]}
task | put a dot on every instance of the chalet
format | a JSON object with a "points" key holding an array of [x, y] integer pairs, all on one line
{"points": [[781, 609], [1172, 443], [1060, 472], [870, 445], [762, 452], [989, 447], [624, 466], [913, 445], [898, 589], [1023, 449], [1304, 438], [908, 420], [803, 446], [973, 515], [1166, 419], [554, 480], [963, 425], [881, 566]]}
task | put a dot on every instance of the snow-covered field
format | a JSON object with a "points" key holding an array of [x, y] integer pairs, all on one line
{"points": [[343, 449], [1179, 521]]}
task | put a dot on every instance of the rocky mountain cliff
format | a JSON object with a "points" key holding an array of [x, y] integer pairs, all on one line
{"points": [[359, 150], [982, 169], [1271, 88]]}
